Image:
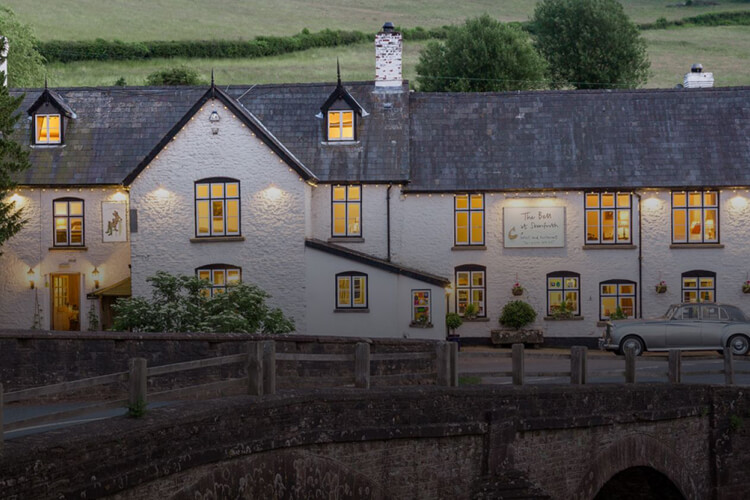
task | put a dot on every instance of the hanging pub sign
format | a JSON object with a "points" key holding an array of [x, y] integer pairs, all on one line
{"points": [[534, 227]]}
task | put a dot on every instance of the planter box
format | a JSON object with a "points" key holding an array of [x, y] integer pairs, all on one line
{"points": [[513, 336]]}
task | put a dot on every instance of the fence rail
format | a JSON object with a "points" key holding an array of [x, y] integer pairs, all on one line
{"points": [[261, 363]]}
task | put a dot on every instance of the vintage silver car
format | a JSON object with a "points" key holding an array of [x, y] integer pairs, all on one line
{"points": [[690, 326]]}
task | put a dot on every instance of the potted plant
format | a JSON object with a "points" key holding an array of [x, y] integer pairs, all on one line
{"points": [[517, 289], [618, 314], [452, 322], [471, 311], [746, 287], [564, 310], [661, 287], [515, 315]]}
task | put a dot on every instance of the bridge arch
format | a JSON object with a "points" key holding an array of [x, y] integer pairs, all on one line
{"points": [[637, 451]]}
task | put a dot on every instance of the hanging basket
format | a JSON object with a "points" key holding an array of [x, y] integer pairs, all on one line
{"points": [[745, 288], [661, 288], [517, 290]]}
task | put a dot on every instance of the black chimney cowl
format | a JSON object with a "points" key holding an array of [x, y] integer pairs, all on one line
{"points": [[388, 27]]}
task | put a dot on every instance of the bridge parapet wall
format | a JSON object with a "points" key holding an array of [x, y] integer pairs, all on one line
{"points": [[409, 442]]}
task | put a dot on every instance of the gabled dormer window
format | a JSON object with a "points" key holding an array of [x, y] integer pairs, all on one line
{"points": [[341, 125], [47, 129]]}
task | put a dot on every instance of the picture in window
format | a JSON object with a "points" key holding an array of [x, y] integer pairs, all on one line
{"points": [[421, 307]]}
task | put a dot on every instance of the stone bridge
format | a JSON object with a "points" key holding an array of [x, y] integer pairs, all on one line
{"points": [[559, 442]]}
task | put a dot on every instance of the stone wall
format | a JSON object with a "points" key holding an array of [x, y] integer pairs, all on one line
{"points": [[31, 359], [415, 442]]}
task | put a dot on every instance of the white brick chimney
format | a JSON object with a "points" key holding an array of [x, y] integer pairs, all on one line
{"points": [[388, 49], [4, 58], [697, 79]]}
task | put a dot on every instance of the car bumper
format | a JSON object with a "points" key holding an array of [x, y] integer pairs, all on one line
{"points": [[606, 345]]}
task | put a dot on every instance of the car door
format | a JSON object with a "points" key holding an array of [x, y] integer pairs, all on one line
{"points": [[684, 329], [713, 321]]}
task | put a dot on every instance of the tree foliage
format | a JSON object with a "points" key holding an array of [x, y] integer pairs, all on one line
{"points": [[590, 44], [13, 159], [483, 55], [178, 304], [25, 64], [179, 75], [516, 314]]}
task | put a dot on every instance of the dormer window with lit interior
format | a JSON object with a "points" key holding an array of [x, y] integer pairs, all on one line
{"points": [[50, 115], [47, 129], [340, 112]]}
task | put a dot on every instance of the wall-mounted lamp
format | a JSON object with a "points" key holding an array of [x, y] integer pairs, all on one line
{"points": [[30, 274], [95, 274]]}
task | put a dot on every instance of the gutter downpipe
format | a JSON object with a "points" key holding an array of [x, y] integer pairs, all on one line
{"points": [[388, 219], [640, 256]]}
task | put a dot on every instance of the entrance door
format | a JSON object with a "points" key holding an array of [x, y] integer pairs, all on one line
{"points": [[66, 303]]}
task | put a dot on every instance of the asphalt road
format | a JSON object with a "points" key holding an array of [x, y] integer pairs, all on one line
{"points": [[651, 367]]}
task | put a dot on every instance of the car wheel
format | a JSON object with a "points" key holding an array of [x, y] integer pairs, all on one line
{"points": [[739, 344], [632, 342]]}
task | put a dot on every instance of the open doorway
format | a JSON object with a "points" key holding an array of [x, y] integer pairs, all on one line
{"points": [[66, 302]]}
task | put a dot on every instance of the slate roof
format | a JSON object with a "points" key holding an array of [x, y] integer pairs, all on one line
{"points": [[433, 142], [580, 139]]}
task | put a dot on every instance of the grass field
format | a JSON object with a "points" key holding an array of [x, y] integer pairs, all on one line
{"points": [[134, 20], [723, 50]]}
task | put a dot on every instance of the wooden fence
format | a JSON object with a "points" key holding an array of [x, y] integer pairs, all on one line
{"points": [[579, 371], [260, 361]]}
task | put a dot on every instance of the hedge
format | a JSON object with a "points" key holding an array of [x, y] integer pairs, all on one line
{"points": [[115, 50], [741, 18]]}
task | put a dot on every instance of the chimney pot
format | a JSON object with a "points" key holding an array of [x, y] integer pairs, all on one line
{"points": [[696, 68], [388, 27]]}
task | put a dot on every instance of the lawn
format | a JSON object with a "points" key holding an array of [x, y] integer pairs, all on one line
{"points": [[134, 20], [723, 50]]}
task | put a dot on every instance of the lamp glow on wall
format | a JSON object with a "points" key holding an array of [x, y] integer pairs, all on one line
{"points": [[30, 274], [738, 202], [272, 193], [95, 275], [161, 193], [119, 196], [651, 203]]}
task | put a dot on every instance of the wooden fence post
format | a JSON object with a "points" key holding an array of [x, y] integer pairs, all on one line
{"points": [[137, 380], [675, 366], [255, 368], [630, 365], [578, 364], [2, 438], [269, 367], [518, 361], [443, 367], [362, 365], [728, 367], [453, 363]]}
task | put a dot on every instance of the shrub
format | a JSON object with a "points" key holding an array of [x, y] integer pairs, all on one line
{"points": [[517, 314], [453, 321], [179, 75]]}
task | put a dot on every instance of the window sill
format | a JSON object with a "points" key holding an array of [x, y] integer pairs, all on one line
{"points": [[572, 318], [682, 246], [352, 310], [420, 325], [346, 239], [605, 246], [341, 143], [45, 146], [459, 248], [67, 249], [475, 320], [217, 239]]}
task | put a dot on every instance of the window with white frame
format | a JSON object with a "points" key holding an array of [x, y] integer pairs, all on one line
{"points": [[47, 129], [340, 125], [695, 217], [614, 295], [564, 293], [699, 286], [421, 307], [351, 290], [217, 207], [68, 220], [608, 218], [219, 277], [469, 219], [346, 211], [471, 289]]}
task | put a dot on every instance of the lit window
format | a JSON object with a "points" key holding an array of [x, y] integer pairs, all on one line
{"points": [[217, 207], [699, 286], [614, 294], [563, 293], [421, 307], [695, 217], [607, 218], [68, 220], [341, 125], [470, 289], [219, 277], [351, 290], [346, 210], [469, 219], [47, 129]]}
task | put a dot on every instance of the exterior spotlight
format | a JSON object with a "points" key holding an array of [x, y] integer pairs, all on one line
{"points": [[95, 274], [30, 274]]}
